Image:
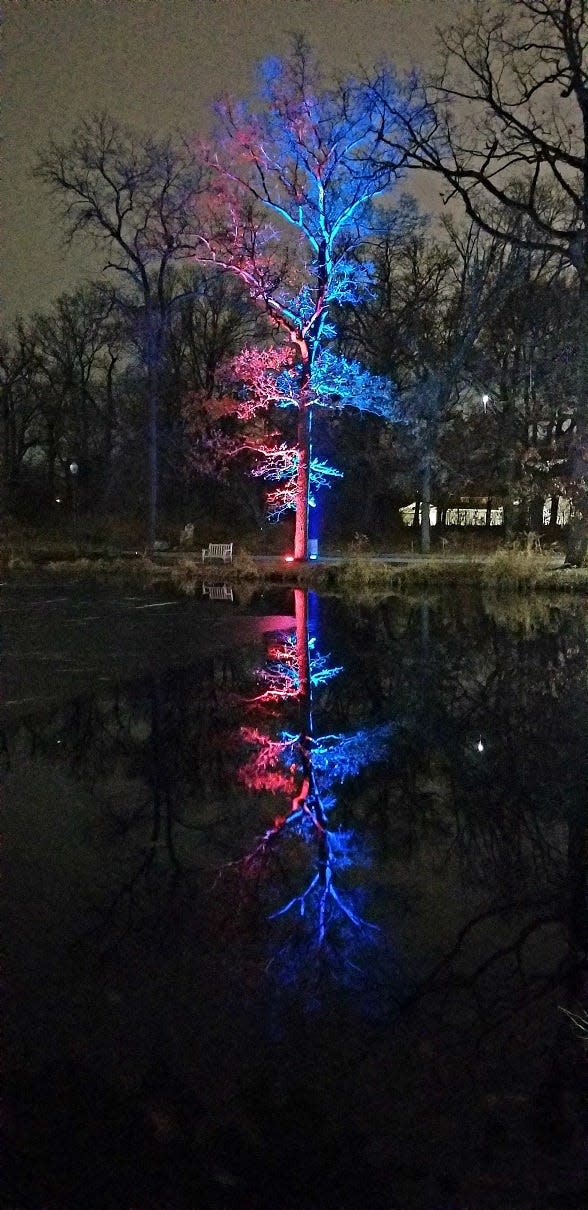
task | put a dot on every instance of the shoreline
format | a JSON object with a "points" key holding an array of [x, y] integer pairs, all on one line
{"points": [[507, 569]]}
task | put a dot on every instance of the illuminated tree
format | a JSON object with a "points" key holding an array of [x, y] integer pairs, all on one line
{"points": [[256, 382], [293, 194]]}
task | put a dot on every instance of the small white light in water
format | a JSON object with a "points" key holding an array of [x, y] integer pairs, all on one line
{"points": [[480, 745]]}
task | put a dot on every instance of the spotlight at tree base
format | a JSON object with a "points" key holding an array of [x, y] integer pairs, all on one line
{"points": [[288, 558]]}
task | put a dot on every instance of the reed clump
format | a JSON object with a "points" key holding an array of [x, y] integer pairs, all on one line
{"points": [[186, 576], [518, 612], [514, 567], [18, 563], [435, 570], [361, 573], [244, 565], [141, 566]]}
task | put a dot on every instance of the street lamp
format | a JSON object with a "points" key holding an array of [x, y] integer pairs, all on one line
{"points": [[73, 470]]}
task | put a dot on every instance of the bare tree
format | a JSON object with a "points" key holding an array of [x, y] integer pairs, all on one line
{"points": [[20, 402], [433, 297], [211, 325], [78, 346], [505, 123], [133, 197]]}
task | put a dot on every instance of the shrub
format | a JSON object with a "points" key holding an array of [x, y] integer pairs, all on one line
{"points": [[245, 565]]}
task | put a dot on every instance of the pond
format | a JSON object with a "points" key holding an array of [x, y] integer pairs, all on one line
{"points": [[294, 901]]}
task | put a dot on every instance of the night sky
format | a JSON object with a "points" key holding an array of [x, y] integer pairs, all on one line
{"points": [[156, 64]]}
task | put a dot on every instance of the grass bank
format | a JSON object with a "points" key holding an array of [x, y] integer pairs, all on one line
{"points": [[506, 570]]}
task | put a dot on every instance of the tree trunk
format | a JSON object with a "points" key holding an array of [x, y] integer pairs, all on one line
{"points": [[426, 506], [152, 468], [536, 514], [51, 448], [108, 436], [508, 510], [577, 541], [153, 337], [303, 474], [6, 465]]}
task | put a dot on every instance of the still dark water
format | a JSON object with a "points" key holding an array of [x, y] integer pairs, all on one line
{"points": [[294, 897]]}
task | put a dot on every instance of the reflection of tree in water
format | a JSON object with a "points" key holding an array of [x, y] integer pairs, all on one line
{"points": [[487, 785], [163, 762], [157, 760], [323, 922]]}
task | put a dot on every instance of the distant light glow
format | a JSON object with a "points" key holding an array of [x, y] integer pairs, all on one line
{"points": [[288, 558], [480, 745]]}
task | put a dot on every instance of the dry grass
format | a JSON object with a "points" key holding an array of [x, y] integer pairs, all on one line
{"points": [[18, 563], [360, 573], [569, 579], [141, 566], [433, 571], [514, 567], [518, 612], [515, 570]]}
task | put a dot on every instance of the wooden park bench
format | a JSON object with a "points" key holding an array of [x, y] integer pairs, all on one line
{"points": [[218, 592], [218, 550]]}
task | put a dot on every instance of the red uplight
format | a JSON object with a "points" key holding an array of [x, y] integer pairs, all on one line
{"points": [[288, 558]]}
